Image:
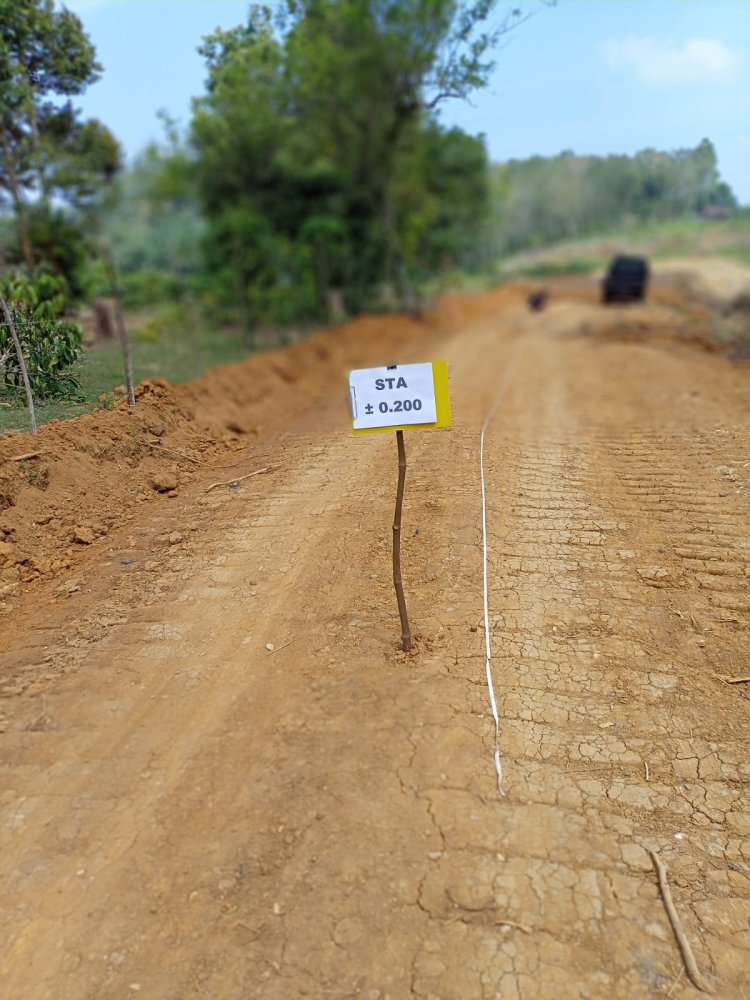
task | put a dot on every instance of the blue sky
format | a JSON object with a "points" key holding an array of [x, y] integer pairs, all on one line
{"points": [[593, 76]]}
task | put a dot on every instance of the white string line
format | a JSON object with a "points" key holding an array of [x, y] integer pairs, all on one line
{"points": [[501, 393]]}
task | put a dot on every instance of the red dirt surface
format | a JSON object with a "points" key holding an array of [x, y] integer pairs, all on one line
{"points": [[92, 474], [220, 778]]}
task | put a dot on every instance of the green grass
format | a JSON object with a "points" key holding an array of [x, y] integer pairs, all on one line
{"points": [[100, 371], [685, 237], [549, 268]]}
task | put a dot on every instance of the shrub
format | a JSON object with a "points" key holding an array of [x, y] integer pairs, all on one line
{"points": [[50, 344]]}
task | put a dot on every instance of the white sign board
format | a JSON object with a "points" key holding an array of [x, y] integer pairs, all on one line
{"points": [[392, 397]]}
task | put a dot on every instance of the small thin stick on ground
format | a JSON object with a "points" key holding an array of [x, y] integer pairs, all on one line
{"points": [[22, 458], [276, 649], [691, 966], [735, 680], [169, 451], [239, 479]]}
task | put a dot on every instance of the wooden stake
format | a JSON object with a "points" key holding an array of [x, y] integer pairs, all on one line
{"points": [[122, 330], [8, 314], [405, 633]]}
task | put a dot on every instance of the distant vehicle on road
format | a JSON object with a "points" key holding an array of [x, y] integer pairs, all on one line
{"points": [[626, 280]]}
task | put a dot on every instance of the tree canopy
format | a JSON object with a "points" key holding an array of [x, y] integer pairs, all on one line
{"points": [[319, 161], [46, 151]]}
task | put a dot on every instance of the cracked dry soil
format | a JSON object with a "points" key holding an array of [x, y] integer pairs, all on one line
{"points": [[187, 814]]}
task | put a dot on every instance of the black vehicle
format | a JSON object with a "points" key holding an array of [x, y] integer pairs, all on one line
{"points": [[626, 281]]}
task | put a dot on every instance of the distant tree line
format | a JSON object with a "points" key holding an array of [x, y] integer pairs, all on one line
{"points": [[543, 200]]}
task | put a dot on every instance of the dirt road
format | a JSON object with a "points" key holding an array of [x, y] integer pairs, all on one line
{"points": [[188, 813]]}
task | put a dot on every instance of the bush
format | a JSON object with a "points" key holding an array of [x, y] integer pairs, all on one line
{"points": [[50, 345]]}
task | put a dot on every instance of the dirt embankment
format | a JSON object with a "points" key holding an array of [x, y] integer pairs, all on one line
{"points": [[81, 478]]}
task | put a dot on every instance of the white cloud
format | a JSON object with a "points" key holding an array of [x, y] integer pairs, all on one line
{"points": [[698, 60]]}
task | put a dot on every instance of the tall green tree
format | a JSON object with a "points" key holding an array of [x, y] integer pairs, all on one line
{"points": [[45, 149], [307, 143]]}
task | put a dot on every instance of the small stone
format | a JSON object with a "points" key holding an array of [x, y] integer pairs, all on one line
{"points": [[175, 538], [270, 647], [83, 536], [726, 472]]}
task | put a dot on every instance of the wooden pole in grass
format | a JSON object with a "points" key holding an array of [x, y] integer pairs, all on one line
{"points": [[397, 583], [8, 313], [122, 330]]}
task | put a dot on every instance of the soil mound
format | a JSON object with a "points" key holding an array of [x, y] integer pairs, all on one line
{"points": [[70, 485]]}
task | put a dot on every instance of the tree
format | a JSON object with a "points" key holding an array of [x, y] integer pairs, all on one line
{"points": [[441, 192], [371, 70], [45, 149], [305, 129]]}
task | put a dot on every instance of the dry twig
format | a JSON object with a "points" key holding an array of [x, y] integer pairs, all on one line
{"points": [[22, 458], [734, 680], [277, 648], [239, 479], [168, 451], [691, 966]]}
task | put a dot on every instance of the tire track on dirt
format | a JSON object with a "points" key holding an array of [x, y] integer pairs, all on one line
{"points": [[600, 674]]}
